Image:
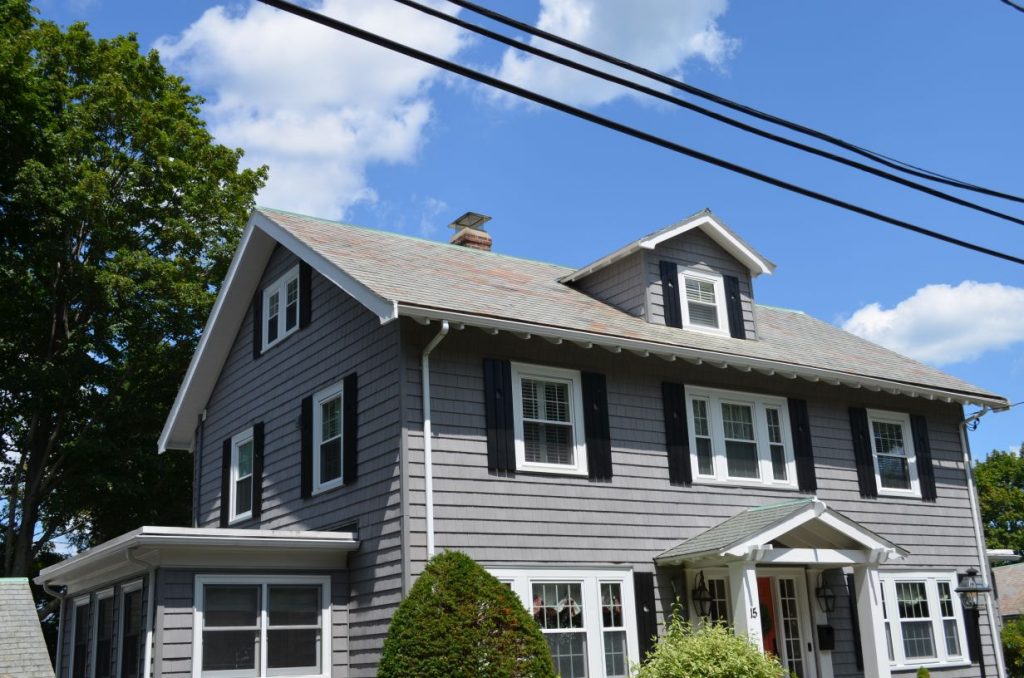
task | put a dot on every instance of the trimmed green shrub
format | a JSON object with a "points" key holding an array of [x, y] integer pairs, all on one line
{"points": [[708, 651], [922, 672], [1013, 647], [460, 622]]}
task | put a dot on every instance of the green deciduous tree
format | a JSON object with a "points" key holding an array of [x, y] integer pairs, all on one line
{"points": [[1000, 480], [460, 622], [118, 217]]}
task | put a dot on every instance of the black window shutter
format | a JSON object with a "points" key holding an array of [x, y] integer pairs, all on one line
{"points": [[257, 324], [306, 447], [973, 627], [734, 308], [803, 453], [862, 452], [677, 435], [501, 443], [670, 294], [305, 294], [257, 470], [225, 483], [595, 426], [646, 614], [350, 451], [858, 653], [923, 450]]}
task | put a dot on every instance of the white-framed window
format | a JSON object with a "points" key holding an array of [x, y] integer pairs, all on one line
{"points": [[547, 403], [129, 632], [588, 617], [740, 437], [79, 636], [720, 604], [243, 456], [702, 301], [103, 634], [328, 428], [892, 448], [281, 308], [251, 626], [924, 622]]}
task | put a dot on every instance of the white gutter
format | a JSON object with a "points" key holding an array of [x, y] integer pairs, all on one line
{"points": [[147, 658], [428, 473], [979, 535]]}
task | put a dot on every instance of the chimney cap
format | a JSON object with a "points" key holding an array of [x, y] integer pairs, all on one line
{"points": [[471, 220]]}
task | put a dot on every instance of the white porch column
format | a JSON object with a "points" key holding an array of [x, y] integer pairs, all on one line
{"points": [[818, 617], [872, 621], [746, 609]]}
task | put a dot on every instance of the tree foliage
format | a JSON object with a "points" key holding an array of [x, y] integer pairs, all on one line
{"points": [[460, 622], [1013, 647], [708, 651], [1000, 480], [119, 216]]}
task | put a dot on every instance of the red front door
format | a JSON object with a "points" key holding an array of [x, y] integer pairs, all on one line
{"points": [[767, 614]]}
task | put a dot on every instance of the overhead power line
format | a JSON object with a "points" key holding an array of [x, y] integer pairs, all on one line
{"points": [[736, 106], [637, 87], [530, 95], [1019, 8]]}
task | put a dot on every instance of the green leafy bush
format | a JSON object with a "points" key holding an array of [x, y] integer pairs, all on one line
{"points": [[708, 651], [922, 672], [460, 622], [1013, 647]]}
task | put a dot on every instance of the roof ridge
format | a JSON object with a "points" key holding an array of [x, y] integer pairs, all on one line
{"points": [[406, 236], [780, 504]]}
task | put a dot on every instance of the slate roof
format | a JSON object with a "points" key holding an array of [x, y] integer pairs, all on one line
{"points": [[1010, 586], [23, 651], [439, 276]]}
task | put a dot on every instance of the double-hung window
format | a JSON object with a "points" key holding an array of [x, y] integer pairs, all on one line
{"points": [[103, 635], [80, 637], [548, 409], [587, 617], [251, 626], [923, 619], [281, 308], [130, 630], [242, 457], [740, 437], [328, 423], [703, 301], [892, 448]]}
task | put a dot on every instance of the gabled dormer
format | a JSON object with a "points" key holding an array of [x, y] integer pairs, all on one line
{"points": [[696, 274]]}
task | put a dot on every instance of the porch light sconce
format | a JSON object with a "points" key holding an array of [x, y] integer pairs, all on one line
{"points": [[970, 587], [701, 596], [825, 595]]}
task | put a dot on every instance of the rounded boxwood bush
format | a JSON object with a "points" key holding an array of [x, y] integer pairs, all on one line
{"points": [[459, 621], [708, 651]]}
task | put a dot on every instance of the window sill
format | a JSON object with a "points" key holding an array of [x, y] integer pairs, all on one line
{"points": [[898, 494], [280, 340], [546, 471], [327, 487], [740, 484], [931, 665], [240, 519], [707, 330]]}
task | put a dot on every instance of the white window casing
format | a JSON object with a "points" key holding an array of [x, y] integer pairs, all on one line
{"points": [[883, 426], [79, 636], [728, 426], [606, 629], [262, 625], [924, 620], [562, 412], [702, 301], [280, 308], [243, 456], [328, 438], [97, 627], [126, 589]]}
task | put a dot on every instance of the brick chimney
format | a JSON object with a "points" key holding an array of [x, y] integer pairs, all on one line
{"points": [[469, 231]]}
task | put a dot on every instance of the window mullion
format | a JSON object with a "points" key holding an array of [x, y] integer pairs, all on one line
{"points": [[764, 457], [717, 438]]}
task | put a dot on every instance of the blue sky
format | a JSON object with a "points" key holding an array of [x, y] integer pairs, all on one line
{"points": [[351, 132]]}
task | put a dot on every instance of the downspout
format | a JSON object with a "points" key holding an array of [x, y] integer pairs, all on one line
{"points": [[147, 657], [983, 567], [428, 474], [60, 625]]}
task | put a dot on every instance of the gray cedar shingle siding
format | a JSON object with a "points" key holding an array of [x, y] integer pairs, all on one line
{"points": [[23, 651], [342, 337], [620, 284], [541, 519]]}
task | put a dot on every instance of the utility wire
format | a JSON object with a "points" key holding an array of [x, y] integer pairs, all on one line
{"points": [[622, 128], [624, 82], [1019, 8], [728, 103]]}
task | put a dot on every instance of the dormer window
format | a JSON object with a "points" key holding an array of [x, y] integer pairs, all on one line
{"points": [[281, 308], [704, 297]]}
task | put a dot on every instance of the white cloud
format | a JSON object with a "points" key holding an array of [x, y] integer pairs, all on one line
{"points": [[942, 324], [316, 105], [658, 34]]}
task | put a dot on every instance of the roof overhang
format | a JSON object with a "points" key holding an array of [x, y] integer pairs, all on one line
{"points": [[864, 545], [706, 222], [150, 546]]}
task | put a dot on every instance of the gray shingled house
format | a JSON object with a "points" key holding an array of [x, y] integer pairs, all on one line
{"points": [[22, 648], [607, 441]]}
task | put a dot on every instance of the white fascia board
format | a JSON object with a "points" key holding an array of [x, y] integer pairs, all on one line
{"points": [[781, 527], [721, 235], [671, 351]]}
